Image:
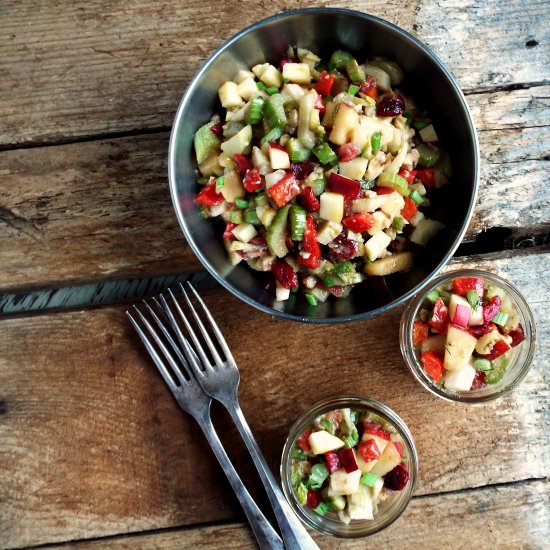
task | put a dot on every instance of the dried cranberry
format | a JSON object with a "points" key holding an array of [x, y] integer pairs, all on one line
{"points": [[303, 169], [480, 331], [397, 478], [390, 106], [517, 335], [284, 274], [342, 249], [217, 129], [289, 242], [479, 380], [491, 308], [313, 499]]}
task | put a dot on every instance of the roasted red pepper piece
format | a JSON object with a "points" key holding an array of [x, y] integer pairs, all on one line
{"points": [[347, 152], [309, 200], [324, 84], [426, 176], [369, 450], [500, 348], [461, 285], [359, 223], [440, 317], [227, 234], [284, 190], [345, 186], [409, 210], [368, 87], [303, 441], [311, 246], [253, 180], [313, 499], [333, 462], [517, 335], [409, 175], [420, 332], [491, 308], [433, 365], [286, 276], [243, 164], [208, 196]]}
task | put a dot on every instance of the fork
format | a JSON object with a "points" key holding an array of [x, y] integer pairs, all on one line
{"points": [[221, 381], [192, 399]]}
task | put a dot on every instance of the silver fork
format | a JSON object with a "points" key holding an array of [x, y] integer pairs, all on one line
{"points": [[221, 381], [192, 399]]}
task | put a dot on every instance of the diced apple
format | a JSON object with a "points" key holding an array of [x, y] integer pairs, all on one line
{"points": [[328, 231], [460, 380], [294, 90], [377, 488], [360, 136], [266, 214], [417, 218], [477, 316], [368, 204], [459, 304], [271, 77], [274, 177], [243, 74], [229, 95], [244, 232], [485, 343], [381, 221], [399, 261], [322, 442], [278, 157], [234, 258], [354, 169], [376, 245], [247, 89], [365, 466], [332, 206], [458, 348], [342, 483], [297, 72], [344, 122], [232, 187], [393, 205], [435, 344], [381, 443], [259, 160], [428, 134], [388, 461], [239, 144], [360, 504], [210, 166], [281, 293]]}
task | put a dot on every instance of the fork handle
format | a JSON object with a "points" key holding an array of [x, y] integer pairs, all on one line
{"points": [[294, 534], [266, 536]]}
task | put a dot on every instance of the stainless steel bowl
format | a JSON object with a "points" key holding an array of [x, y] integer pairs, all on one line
{"points": [[324, 30]]}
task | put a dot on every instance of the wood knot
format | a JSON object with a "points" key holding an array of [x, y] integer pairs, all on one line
{"points": [[3, 407]]}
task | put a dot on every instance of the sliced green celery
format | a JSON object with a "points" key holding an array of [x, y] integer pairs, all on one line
{"points": [[297, 151], [498, 371], [428, 154], [355, 73], [395, 182], [273, 135], [256, 110], [298, 217], [338, 59], [276, 233], [206, 142], [275, 110]]}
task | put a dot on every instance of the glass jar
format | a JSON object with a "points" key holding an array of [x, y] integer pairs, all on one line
{"points": [[388, 510], [520, 357]]}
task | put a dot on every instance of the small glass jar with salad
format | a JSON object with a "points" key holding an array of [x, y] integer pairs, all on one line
{"points": [[470, 337], [349, 467]]}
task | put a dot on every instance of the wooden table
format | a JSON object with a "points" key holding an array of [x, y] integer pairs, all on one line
{"points": [[94, 452]]}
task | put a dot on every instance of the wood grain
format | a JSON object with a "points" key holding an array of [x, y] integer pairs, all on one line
{"points": [[514, 517], [101, 209], [92, 444], [70, 70]]}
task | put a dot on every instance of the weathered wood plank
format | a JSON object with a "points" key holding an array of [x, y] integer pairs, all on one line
{"points": [[503, 517], [92, 444], [101, 209], [91, 68]]}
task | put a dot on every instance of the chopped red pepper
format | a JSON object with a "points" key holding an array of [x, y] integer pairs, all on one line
{"points": [[359, 223], [440, 317], [285, 275], [368, 87], [517, 335], [500, 348], [319, 105], [407, 174], [491, 308], [409, 210], [345, 186], [309, 200], [420, 332], [433, 365], [333, 462], [228, 233], [311, 246], [324, 84], [303, 441], [314, 498], [208, 196], [253, 180], [369, 450], [347, 152], [426, 176], [461, 285], [383, 190], [243, 164], [284, 190]]}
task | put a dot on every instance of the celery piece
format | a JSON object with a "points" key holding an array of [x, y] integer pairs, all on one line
{"points": [[353, 89], [428, 154], [421, 124], [236, 216], [482, 365], [369, 479], [367, 185], [241, 203], [473, 298], [317, 186], [317, 476], [250, 216], [398, 223], [273, 135], [391, 67], [311, 300], [417, 197], [432, 296], [275, 111], [298, 217], [344, 267], [408, 117], [375, 142], [329, 281], [497, 372], [276, 233], [205, 142], [297, 151], [272, 90], [338, 59], [301, 493], [500, 318], [203, 180], [395, 182], [355, 72], [220, 183], [261, 86], [324, 153], [337, 503], [353, 414], [203, 211], [256, 110], [327, 425], [261, 199], [322, 509], [298, 454], [352, 439]]}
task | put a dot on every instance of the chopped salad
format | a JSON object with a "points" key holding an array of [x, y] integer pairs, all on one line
{"points": [[348, 462], [320, 172], [465, 333]]}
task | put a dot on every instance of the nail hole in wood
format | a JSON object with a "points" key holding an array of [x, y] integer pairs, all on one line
{"points": [[3, 407], [531, 43]]}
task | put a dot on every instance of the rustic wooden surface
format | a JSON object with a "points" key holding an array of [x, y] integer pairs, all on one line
{"points": [[93, 451]]}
